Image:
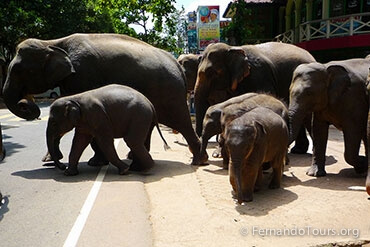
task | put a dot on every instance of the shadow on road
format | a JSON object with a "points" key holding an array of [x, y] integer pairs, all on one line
{"points": [[163, 169], [266, 200]]}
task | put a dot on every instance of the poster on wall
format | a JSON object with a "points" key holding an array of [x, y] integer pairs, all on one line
{"points": [[208, 25]]}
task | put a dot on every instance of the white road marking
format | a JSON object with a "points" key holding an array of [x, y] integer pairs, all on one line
{"points": [[77, 228], [6, 116]]}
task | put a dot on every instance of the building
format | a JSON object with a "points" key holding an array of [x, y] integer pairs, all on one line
{"points": [[329, 29]]}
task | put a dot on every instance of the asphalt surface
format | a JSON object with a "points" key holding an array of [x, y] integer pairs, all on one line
{"points": [[42, 207]]}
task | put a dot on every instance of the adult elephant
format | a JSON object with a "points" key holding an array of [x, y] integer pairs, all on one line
{"points": [[336, 94], [190, 63], [81, 62], [227, 71]]}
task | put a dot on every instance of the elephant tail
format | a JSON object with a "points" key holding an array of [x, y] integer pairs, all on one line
{"points": [[155, 121], [165, 146]]}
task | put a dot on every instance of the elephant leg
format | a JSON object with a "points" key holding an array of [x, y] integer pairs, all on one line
{"points": [[178, 117], [277, 167], [217, 153], [106, 143], [249, 178], [98, 159], [259, 180], [352, 143], [225, 158], [47, 157], [320, 138], [79, 144], [301, 143], [130, 155], [135, 140]]}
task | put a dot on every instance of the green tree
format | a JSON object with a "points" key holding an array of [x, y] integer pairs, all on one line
{"points": [[49, 19], [241, 29]]}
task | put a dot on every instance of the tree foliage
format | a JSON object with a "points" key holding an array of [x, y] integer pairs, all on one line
{"points": [[49, 19], [241, 29]]}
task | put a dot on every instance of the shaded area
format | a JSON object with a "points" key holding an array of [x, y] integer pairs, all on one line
{"points": [[162, 169]]}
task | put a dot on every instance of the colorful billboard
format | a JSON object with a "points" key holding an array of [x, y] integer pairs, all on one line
{"points": [[208, 25], [192, 32]]}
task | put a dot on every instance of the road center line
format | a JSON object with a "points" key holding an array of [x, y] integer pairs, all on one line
{"points": [[80, 222]]}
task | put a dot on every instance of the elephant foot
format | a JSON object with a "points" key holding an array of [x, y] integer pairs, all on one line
{"points": [[217, 153], [47, 157], [315, 171], [71, 171], [200, 160], [137, 167], [60, 165], [97, 161], [274, 185], [362, 166], [299, 149], [123, 170]]}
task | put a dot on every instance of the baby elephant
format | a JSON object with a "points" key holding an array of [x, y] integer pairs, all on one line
{"points": [[256, 137], [105, 113]]}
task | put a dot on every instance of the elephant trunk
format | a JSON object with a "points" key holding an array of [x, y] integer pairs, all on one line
{"points": [[201, 103], [52, 141], [18, 103], [236, 169], [296, 118]]}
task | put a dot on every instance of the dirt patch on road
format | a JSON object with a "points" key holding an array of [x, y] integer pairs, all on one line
{"points": [[193, 206]]}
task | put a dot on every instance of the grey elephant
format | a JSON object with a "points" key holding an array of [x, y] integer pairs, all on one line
{"points": [[81, 62], [258, 136], [335, 93], [227, 71], [189, 63], [105, 113], [218, 115]]}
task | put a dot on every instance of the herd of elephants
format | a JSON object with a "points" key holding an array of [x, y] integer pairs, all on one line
{"points": [[258, 98]]}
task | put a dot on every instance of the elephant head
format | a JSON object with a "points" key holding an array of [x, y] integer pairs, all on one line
{"points": [[240, 143], [64, 116], [189, 63], [221, 69], [314, 86], [36, 67]]}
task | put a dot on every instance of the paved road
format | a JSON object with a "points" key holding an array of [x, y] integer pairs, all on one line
{"points": [[177, 205], [45, 208]]}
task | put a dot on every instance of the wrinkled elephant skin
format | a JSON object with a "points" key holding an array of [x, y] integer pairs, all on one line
{"points": [[256, 137], [228, 71], [336, 94], [113, 111], [81, 62]]}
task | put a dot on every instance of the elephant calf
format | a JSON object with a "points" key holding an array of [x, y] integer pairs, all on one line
{"points": [[233, 108], [258, 136], [105, 113]]}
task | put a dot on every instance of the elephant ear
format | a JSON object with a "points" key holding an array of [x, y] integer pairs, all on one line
{"points": [[238, 66], [58, 65], [338, 82], [260, 128], [72, 111]]}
